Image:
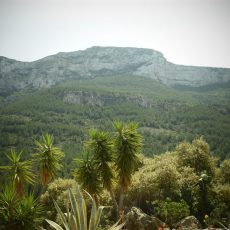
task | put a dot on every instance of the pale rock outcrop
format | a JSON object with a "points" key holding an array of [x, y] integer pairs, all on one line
{"points": [[104, 61], [188, 223], [95, 99], [138, 220]]}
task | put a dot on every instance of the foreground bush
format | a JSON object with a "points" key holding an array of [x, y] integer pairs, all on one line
{"points": [[19, 212], [169, 211], [191, 174], [58, 191]]}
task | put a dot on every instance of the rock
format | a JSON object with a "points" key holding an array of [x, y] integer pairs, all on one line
{"points": [[104, 61], [188, 223], [94, 99], [138, 220]]}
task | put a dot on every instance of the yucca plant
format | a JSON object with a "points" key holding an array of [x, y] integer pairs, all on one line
{"points": [[49, 158], [8, 203], [30, 213], [75, 217], [101, 145], [19, 212], [88, 175], [128, 143], [20, 172]]}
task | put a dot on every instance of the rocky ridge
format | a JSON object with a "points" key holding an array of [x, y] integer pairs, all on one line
{"points": [[104, 61]]}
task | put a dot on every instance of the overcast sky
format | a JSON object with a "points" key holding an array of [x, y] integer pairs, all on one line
{"points": [[189, 32]]}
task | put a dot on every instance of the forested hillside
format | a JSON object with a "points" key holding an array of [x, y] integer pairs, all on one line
{"points": [[166, 116]]}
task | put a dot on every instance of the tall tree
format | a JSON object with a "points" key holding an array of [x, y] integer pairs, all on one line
{"points": [[128, 143], [19, 171], [48, 157], [101, 146]]}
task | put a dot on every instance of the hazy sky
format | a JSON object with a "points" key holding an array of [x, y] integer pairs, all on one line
{"points": [[190, 32]]}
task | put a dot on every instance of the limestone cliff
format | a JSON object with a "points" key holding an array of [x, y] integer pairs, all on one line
{"points": [[104, 61]]}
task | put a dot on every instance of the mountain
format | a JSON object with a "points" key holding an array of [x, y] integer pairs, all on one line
{"points": [[104, 61]]}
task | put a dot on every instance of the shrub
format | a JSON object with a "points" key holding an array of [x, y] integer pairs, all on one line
{"points": [[58, 191], [169, 211]]}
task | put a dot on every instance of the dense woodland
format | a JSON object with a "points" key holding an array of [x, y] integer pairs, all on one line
{"points": [[169, 117], [178, 154]]}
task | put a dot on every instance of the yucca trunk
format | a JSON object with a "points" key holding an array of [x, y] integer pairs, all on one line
{"points": [[45, 176], [121, 200], [19, 188]]}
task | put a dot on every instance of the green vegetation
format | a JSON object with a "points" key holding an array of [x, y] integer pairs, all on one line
{"points": [[179, 173], [165, 116], [76, 218], [58, 191], [19, 172], [170, 211], [186, 181], [19, 212], [16, 206], [101, 147], [200, 191], [48, 157], [128, 143], [88, 176]]}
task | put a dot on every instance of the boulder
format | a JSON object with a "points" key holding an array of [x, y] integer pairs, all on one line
{"points": [[189, 222], [136, 219]]}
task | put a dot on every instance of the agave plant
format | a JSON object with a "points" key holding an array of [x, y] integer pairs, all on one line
{"points": [[75, 217]]}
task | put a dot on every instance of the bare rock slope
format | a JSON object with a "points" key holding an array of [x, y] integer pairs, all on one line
{"points": [[104, 61]]}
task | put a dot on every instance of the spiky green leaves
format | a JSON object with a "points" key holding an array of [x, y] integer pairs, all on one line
{"points": [[76, 214], [106, 153], [88, 175], [19, 212], [101, 146], [48, 157], [19, 171], [128, 143]]}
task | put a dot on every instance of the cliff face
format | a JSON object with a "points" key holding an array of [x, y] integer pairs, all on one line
{"points": [[94, 99], [104, 61]]}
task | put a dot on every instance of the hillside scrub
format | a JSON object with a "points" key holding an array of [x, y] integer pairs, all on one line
{"points": [[165, 177], [186, 181], [166, 116]]}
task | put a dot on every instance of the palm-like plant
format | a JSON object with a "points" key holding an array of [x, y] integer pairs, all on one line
{"points": [[102, 149], [29, 213], [49, 158], [101, 146], [19, 213], [76, 214], [128, 144], [20, 172], [8, 201], [88, 175]]}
